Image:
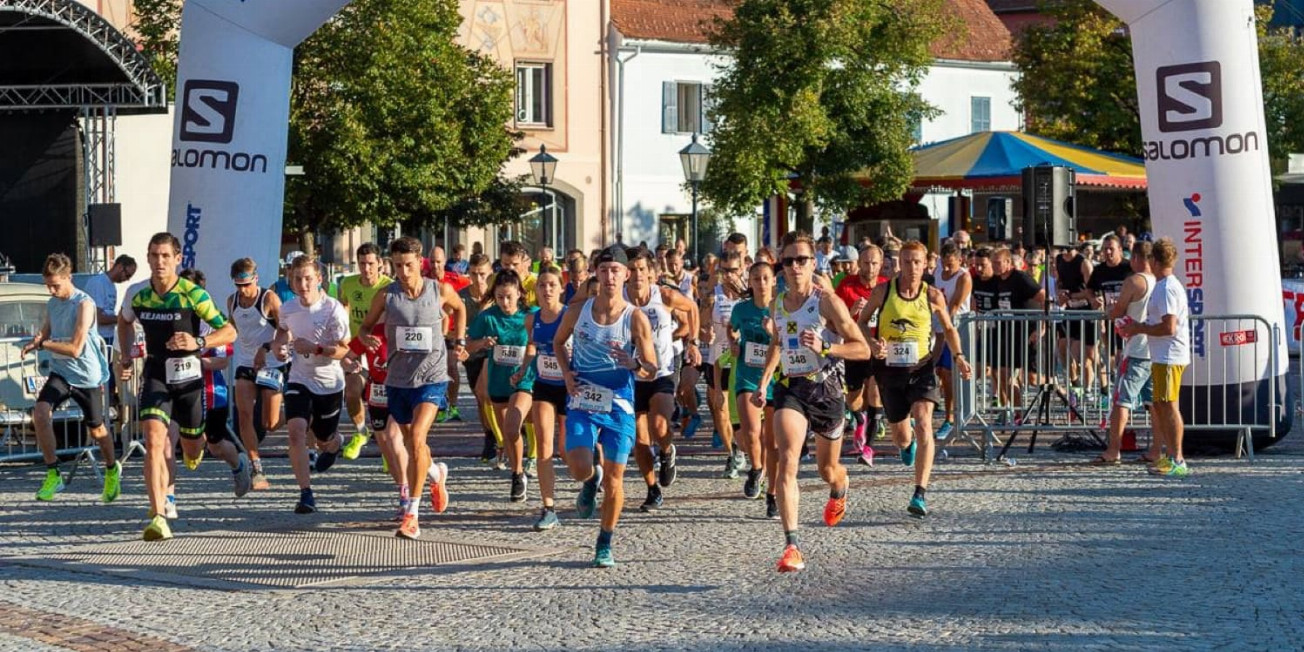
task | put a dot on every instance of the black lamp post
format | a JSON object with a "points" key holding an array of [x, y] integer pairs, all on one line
{"points": [[695, 158], [543, 167]]}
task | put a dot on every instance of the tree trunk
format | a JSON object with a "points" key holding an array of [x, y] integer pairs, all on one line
{"points": [[308, 243], [805, 209]]}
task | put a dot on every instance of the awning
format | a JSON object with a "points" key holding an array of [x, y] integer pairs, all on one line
{"points": [[996, 159]]}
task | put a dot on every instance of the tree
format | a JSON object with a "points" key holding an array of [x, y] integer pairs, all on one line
{"points": [[821, 91], [156, 24], [1078, 83]]}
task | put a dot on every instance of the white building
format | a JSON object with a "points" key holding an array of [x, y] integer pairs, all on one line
{"points": [[662, 72]]}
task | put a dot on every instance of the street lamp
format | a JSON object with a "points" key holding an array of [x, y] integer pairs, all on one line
{"points": [[695, 158], [543, 167]]}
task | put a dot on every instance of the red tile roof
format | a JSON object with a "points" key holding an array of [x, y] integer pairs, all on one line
{"points": [[984, 38]]}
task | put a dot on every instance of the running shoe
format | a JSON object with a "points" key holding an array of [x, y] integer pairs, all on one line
{"points": [[453, 414], [157, 530], [352, 449], [654, 500], [918, 506], [439, 488], [170, 508], [490, 450], [694, 422], [944, 431], [192, 463], [730, 467], [325, 461], [716, 440], [752, 487], [791, 561], [858, 433], [547, 520], [834, 510], [586, 503], [602, 558], [1178, 470], [444, 416], [501, 463], [531, 467], [242, 476], [312, 458], [384, 465], [408, 529], [112, 482], [307, 503], [866, 456], [668, 472], [518, 488], [1162, 467], [771, 506], [53, 484], [880, 431], [908, 454], [259, 479]]}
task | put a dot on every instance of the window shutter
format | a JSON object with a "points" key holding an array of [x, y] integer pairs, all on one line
{"points": [[708, 105], [669, 107]]}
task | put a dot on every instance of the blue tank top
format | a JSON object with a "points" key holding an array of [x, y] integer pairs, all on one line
{"points": [[592, 359], [542, 336], [91, 368]]}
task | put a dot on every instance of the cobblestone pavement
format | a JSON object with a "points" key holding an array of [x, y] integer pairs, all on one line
{"points": [[1050, 554]]}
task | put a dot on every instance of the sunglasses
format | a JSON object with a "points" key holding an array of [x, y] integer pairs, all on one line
{"points": [[797, 260]]}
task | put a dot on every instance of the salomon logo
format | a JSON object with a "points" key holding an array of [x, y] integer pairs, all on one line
{"points": [[1190, 96], [208, 112]]}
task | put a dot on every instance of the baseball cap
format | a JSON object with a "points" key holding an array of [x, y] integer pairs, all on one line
{"points": [[613, 254], [289, 258]]}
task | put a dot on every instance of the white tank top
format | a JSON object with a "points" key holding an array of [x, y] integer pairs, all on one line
{"points": [[797, 360], [949, 288], [721, 310], [663, 329], [1138, 346], [252, 330]]}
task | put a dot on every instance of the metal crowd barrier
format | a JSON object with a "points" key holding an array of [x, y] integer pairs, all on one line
{"points": [[1238, 347]]}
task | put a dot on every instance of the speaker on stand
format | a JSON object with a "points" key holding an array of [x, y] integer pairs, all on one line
{"points": [[1000, 219], [106, 231], [1049, 207]]}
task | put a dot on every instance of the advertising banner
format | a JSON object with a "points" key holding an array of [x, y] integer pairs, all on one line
{"points": [[232, 119], [1210, 186]]}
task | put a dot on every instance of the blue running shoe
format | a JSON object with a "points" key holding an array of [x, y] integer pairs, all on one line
{"points": [[716, 441], [602, 558], [586, 503], [918, 506], [694, 423], [908, 454], [944, 431], [307, 503]]}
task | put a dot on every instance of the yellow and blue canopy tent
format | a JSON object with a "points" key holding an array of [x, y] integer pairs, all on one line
{"points": [[996, 159]]}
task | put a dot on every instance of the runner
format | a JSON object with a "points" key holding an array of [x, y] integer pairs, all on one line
{"points": [[259, 378], [906, 378], [356, 293], [413, 310], [813, 333], [613, 341], [686, 395], [474, 297], [500, 329], [654, 398], [862, 390], [752, 341], [957, 286], [440, 272], [388, 435], [1133, 390], [719, 304], [314, 331], [1168, 334], [549, 401], [577, 267], [79, 370], [170, 310]]}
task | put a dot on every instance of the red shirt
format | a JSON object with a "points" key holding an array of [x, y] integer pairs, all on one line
{"points": [[852, 289]]}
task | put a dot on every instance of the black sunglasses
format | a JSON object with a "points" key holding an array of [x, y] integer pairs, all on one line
{"points": [[797, 260]]}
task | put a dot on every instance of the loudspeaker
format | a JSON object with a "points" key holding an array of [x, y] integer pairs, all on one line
{"points": [[1049, 214], [958, 210], [1000, 219], [106, 225]]}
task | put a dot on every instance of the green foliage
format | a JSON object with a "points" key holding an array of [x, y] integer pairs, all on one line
{"points": [[157, 24], [822, 90], [1078, 82]]}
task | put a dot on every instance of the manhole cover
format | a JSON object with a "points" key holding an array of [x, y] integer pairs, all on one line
{"points": [[283, 560]]}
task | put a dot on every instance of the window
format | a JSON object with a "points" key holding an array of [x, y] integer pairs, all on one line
{"points": [[534, 94], [685, 107], [980, 114]]}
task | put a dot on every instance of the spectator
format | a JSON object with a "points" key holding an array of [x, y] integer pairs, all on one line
{"points": [[103, 290]]}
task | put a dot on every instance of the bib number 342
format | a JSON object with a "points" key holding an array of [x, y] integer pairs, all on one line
{"points": [[592, 398]]}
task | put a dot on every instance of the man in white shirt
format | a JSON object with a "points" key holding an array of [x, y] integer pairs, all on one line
{"points": [[103, 289]]}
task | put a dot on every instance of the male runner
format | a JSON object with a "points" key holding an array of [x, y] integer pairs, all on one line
{"points": [[512, 255], [475, 297], [862, 390], [314, 331], [78, 371], [957, 286], [719, 304], [686, 395], [904, 346], [413, 311], [169, 309], [440, 272], [255, 312], [613, 341], [654, 398], [813, 333], [356, 293], [1133, 390]]}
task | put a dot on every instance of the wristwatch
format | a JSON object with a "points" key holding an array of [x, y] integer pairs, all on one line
{"points": [[201, 342], [824, 352], [459, 341]]}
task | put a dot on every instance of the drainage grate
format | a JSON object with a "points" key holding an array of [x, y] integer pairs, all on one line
{"points": [[284, 560]]}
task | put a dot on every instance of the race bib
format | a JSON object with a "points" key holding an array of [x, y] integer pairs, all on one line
{"points": [[379, 396], [269, 378], [799, 361], [182, 370], [549, 367], [415, 339], [1003, 304], [754, 354], [594, 398], [509, 355], [902, 354]]}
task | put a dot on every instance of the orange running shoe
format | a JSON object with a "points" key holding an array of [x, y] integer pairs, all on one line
{"points": [[439, 488], [834, 510], [791, 561], [409, 528]]}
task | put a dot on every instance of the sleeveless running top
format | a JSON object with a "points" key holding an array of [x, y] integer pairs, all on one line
{"points": [[796, 360], [414, 331], [1138, 346], [663, 329], [949, 288], [253, 328], [592, 361], [721, 310], [91, 368], [547, 369], [905, 325]]}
